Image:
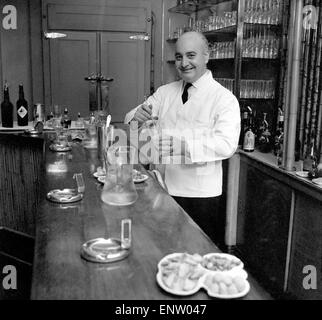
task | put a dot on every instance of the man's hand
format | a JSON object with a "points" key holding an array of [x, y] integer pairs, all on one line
{"points": [[143, 113]]}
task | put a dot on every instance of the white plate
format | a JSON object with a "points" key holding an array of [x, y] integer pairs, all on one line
{"points": [[143, 178], [97, 174], [201, 282], [173, 291], [227, 296], [227, 256], [101, 179], [302, 174], [317, 181]]}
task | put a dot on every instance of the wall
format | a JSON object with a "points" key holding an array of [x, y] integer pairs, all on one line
{"points": [[21, 50]]}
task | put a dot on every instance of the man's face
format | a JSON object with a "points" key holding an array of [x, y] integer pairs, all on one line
{"points": [[191, 57]]}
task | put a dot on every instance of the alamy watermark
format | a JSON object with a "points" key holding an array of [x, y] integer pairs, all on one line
{"points": [[9, 18], [9, 277]]}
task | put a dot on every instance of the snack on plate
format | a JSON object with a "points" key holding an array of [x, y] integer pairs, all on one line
{"points": [[220, 262], [224, 284], [137, 174], [181, 272]]}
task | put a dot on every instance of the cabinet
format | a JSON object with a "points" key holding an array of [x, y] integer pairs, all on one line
{"points": [[246, 40], [106, 37]]}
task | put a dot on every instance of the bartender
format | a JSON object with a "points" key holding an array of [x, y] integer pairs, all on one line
{"points": [[200, 121]]}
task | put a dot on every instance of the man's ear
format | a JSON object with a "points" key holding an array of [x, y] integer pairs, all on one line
{"points": [[206, 54]]}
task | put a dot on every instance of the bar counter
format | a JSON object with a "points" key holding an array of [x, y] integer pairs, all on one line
{"points": [[159, 227]]}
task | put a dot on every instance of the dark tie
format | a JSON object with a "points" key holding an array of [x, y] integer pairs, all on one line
{"points": [[185, 93]]}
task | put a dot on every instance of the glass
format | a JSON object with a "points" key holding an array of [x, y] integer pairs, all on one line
{"points": [[119, 188], [90, 141]]}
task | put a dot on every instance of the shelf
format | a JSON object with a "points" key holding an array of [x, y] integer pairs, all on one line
{"points": [[231, 30], [192, 6], [275, 60]]}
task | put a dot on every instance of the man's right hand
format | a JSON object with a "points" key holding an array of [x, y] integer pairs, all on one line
{"points": [[143, 113]]}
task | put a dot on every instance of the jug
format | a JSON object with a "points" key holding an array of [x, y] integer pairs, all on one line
{"points": [[119, 187]]}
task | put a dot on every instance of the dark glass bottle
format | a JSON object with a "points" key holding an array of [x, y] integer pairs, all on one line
{"points": [[22, 108], [66, 120], [6, 108], [243, 128]]}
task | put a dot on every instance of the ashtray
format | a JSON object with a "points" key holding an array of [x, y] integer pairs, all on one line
{"points": [[104, 250], [64, 196], [59, 147], [33, 132]]}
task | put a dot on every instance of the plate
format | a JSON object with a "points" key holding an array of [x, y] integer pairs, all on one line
{"points": [[101, 179], [59, 148], [99, 174], [237, 285], [142, 178], [302, 174], [182, 274], [317, 181], [221, 262]]}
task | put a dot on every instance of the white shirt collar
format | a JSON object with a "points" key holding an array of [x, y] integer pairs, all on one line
{"points": [[202, 81]]}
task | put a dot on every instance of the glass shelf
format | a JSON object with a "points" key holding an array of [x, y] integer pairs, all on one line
{"points": [[192, 6]]}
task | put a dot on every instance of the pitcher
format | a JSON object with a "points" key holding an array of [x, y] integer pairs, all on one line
{"points": [[119, 187]]}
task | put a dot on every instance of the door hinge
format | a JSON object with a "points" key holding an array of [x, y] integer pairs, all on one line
{"points": [[141, 37]]}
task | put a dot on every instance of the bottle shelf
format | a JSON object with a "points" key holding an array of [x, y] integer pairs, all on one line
{"points": [[191, 6]]}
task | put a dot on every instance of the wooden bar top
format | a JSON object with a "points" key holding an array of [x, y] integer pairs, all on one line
{"points": [[159, 227]]}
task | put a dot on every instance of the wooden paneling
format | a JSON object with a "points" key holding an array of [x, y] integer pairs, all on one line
{"points": [[110, 17], [21, 161], [263, 223], [72, 59], [306, 247], [124, 60]]}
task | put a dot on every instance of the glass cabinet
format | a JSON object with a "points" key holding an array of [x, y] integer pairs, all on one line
{"points": [[247, 40]]}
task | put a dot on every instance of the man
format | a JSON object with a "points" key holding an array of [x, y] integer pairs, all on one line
{"points": [[205, 117]]}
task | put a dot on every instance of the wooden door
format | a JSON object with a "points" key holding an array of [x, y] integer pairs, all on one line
{"points": [[72, 58], [128, 62]]}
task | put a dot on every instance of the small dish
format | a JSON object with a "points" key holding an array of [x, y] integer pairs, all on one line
{"points": [[101, 179], [182, 274], [99, 174], [141, 178], [59, 148], [64, 196], [317, 181], [302, 174], [221, 262], [225, 286]]}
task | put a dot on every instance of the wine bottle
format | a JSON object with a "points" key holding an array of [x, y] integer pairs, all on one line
{"points": [[6, 108], [22, 108], [279, 132], [66, 120], [264, 139], [244, 124]]}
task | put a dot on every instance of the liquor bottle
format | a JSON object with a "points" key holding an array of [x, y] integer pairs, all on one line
{"points": [[22, 108], [249, 138], [310, 163], [244, 124], [264, 138], [6, 108], [66, 120], [278, 140], [80, 121]]}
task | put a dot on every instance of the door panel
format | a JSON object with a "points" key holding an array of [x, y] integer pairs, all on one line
{"points": [[72, 59], [127, 61]]}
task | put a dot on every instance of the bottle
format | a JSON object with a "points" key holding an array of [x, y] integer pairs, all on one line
{"points": [[22, 108], [311, 163], [264, 139], [66, 120], [249, 138], [244, 124], [6, 108], [279, 131]]}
